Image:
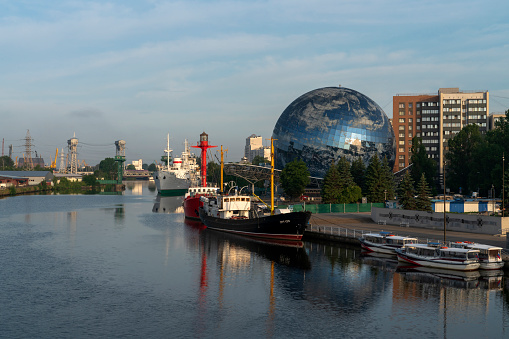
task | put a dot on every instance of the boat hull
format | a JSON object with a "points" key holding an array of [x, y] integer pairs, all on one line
{"points": [[287, 226], [168, 184], [191, 207], [495, 265], [437, 262], [378, 248]]}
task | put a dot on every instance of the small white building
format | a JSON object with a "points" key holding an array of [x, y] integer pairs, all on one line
{"points": [[69, 176], [254, 147], [138, 164]]}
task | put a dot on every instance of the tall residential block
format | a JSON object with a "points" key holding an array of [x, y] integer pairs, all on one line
{"points": [[435, 118]]}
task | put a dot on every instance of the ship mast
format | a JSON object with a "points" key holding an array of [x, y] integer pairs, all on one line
{"points": [[168, 151], [272, 175], [204, 145]]}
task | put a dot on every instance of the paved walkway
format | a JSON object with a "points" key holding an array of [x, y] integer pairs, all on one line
{"points": [[363, 222]]}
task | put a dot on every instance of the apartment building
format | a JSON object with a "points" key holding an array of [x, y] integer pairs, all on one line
{"points": [[435, 118]]}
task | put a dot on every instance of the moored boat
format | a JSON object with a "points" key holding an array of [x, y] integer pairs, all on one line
{"points": [[384, 242], [176, 178], [431, 255], [237, 214], [192, 201], [490, 257]]}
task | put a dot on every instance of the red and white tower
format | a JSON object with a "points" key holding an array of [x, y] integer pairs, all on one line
{"points": [[204, 145]]}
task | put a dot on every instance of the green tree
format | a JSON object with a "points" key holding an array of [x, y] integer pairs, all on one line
{"points": [[421, 163], [152, 167], [388, 175], [358, 170], [108, 169], [295, 178], [350, 192], [213, 173], [406, 192], [131, 167], [6, 163], [375, 180], [461, 158], [331, 188], [422, 202], [258, 160], [90, 180]]}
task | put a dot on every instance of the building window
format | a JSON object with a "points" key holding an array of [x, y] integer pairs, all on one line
{"points": [[402, 142], [402, 135], [401, 112], [410, 105], [410, 120], [401, 105], [401, 120]]}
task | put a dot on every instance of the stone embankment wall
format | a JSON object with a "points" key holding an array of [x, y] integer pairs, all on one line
{"points": [[432, 220]]}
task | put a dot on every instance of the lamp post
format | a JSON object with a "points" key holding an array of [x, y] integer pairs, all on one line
{"points": [[493, 198], [503, 184], [443, 173]]}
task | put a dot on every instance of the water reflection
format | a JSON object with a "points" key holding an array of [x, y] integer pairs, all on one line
{"points": [[168, 204]]}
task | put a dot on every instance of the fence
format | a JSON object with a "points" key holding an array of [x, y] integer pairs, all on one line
{"points": [[334, 208]]}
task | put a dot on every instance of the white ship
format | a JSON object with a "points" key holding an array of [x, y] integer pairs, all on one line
{"points": [[175, 178]]}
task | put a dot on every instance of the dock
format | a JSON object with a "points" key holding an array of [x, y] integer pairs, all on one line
{"points": [[348, 227]]}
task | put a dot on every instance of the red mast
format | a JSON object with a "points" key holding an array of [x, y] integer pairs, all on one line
{"points": [[204, 145]]}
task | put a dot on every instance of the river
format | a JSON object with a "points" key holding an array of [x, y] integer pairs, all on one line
{"points": [[129, 265]]}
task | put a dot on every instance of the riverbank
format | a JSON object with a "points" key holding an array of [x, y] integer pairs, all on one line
{"points": [[20, 190]]}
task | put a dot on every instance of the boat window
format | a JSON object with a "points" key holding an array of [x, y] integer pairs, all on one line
{"points": [[226, 199]]}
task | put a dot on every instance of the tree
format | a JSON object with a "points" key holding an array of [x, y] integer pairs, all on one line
{"points": [[350, 192], [131, 167], [406, 193], [6, 162], [422, 202], [108, 168], [89, 180], [213, 173], [375, 180], [421, 163], [295, 178], [358, 170], [258, 160], [388, 175], [152, 167], [331, 189], [461, 157]]}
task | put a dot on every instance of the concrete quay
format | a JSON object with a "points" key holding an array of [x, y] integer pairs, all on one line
{"points": [[362, 222]]}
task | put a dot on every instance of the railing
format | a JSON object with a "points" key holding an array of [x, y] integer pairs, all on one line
{"points": [[333, 208], [353, 233]]}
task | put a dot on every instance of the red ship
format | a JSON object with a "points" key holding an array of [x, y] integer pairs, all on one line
{"points": [[192, 198]]}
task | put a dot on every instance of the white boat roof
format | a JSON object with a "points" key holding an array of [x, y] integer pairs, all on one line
{"points": [[459, 250], [483, 247], [402, 238]]}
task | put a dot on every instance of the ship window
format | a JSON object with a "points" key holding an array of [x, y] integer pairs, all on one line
{"points": [[226, 199]]}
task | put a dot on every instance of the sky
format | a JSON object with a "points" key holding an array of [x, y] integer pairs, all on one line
{"points": [[139, 70]]}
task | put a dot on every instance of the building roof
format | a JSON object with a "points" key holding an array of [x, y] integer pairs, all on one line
{"points": [[24, 173]]}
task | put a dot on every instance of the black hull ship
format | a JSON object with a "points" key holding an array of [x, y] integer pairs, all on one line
{"points": [[285, 226]]}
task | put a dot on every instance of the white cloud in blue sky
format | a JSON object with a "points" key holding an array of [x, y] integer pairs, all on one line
{"points": [[137, 70]]}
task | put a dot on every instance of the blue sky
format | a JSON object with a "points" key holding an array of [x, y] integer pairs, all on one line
{"points": [[138, 70]]}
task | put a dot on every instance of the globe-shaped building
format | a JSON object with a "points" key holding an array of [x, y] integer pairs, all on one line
{"points": [[330, 123]]}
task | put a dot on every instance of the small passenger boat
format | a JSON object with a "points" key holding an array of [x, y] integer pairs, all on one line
{"points": [[384, 242], [490, 257], [433, 255]]}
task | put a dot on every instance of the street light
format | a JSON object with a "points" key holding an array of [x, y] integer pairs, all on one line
{"points": [[503, 183], [443, 173]]}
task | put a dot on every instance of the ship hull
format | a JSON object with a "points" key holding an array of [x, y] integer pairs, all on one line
{"points": [[168, 184], [191, 207], [287, 226]]}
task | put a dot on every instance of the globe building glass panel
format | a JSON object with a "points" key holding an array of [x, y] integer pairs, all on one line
{"points": [[330, 123]]}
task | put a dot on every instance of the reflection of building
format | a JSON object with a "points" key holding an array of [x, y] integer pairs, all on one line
{"points": [[435, 119], [327, 124], [254, 147]]}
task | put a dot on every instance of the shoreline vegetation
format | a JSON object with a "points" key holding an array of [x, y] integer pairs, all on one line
{"points": [[64, 186]]}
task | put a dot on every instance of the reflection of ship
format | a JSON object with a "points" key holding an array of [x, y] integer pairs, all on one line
{"points": [[379, 259], [176, 178], [289, 253], [168, 205], [453, 278]]}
